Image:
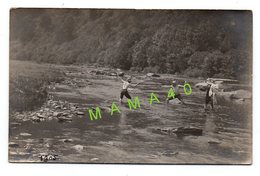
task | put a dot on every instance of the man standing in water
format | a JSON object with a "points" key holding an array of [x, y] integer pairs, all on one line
{"points": [[175, 87], [210, 93], [126, 85]]}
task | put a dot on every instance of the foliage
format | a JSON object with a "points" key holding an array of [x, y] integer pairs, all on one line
{"points": [[196, 43]]}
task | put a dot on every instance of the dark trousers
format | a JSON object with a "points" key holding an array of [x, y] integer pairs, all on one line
{"points": [[209, 99], [123, 93]]}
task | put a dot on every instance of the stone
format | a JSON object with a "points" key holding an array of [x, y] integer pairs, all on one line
{"points": [[65, 113], [25, 134], [188, 131], [73, 108], [36, 119], [214, 142], [112, 74], [169, 153], [179, 131], [57, 107], [120, 73], [78, 147], [57, 114], [99, 72], [64, 119], [40, 116], [201, 86], [94, 159], [175, 101], [152, 75], [13, 144], [80, 113], [67, 140]]}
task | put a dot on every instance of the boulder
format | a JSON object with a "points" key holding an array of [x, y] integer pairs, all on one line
{"points": [[175, 101], [152, 75], [40, 116], [94, 159], [80, 113], [169, 153], [64, 119], [214, 142], [57, 114], [25, 134], [12, 144], [112, 74], [67, 140], [99, 72], [179, 131], [120, 73], [187, 131], [36, 119], [201, 86], [78, 147]]}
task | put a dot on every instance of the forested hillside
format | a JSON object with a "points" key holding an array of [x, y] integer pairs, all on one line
{"points": [[194, 43]]}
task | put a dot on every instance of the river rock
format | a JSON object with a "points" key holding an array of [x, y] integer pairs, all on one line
{"points": [[179, 131], [201, 86], [25, 134], [152, 75], [99, 72], [73, 108], [214, 142], [13, 144], [57, 114], [67, 140], [94, 159], [188, 131], [40, 116], [64, 119], [120, 73], [112, 74], [175, 101], [169, 153], [80, 113], [36, 119], [78, 147]]}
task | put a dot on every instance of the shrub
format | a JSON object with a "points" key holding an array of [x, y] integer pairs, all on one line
{"points": [[26, 93]]}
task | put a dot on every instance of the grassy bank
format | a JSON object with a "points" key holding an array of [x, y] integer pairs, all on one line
{"points": [[28, 84]]}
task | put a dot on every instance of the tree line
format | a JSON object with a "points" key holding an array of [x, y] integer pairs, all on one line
{"points": [[194, 43]]}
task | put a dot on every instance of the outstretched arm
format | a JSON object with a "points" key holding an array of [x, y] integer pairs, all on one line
{"points": [[138, 83], [121, 79]]}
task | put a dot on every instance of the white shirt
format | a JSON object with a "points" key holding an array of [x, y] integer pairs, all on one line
{"points": [[213, 89], [126, 85]]}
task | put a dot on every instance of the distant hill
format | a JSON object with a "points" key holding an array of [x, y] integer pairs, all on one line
{"points": [[194, 43]]}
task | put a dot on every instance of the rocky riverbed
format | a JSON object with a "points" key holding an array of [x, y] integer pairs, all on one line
{"points": [[61, 131]]}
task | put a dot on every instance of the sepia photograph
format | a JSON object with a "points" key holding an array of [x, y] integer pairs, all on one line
{"points": [[130, 86]]}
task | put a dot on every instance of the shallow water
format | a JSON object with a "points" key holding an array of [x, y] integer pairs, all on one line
{"points": [[127, 137]]}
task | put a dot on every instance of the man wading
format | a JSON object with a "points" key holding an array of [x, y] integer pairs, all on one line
{"points": [[210, 93], [124, 91], [175, 87]]}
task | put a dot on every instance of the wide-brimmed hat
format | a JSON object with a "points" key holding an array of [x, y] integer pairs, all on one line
{"points": [[209, 81]]}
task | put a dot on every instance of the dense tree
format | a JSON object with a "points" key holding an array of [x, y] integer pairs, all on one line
{"points": [[195, 43]]}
